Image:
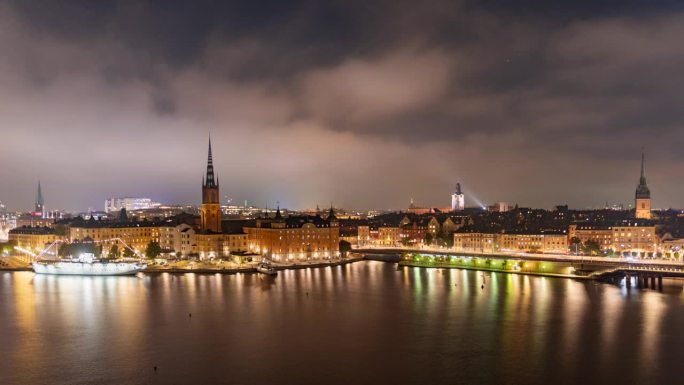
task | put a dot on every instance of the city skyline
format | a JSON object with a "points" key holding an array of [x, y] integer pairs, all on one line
{"points": [[97, 103], [471, 201]]}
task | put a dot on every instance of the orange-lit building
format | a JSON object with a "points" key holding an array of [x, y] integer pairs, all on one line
{"points": [[295, 238], [33, 239]]}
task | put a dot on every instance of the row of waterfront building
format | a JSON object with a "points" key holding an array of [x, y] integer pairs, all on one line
{"points": [[280, 238], [303, 237]]}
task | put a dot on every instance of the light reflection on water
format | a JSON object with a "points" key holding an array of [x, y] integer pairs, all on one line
{"points": [[364, 323]]}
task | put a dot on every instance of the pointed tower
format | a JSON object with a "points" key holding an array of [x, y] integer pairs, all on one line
{"points": [[40, 203], [210, 212], [642, 197], [457, 199], [332, 218], [278, 215]]}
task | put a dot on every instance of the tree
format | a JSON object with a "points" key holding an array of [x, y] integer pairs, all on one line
{"points": [[63, 250], [345, 247], [114, 252], [445, 239], [128, 253], [7, 247], [152, 250], [575, 244], [591, 247], [123, 215], [429, 238]]}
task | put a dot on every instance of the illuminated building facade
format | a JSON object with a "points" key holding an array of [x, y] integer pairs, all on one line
{"points": [[295, 238], [8, 221], [364, 236], [113, 205], [414, 231], [601, 234], [220, 245], [542, 242], [136, 235], [635, 238], [476, 242], [457, 199], [33, 239], [627, 238]]}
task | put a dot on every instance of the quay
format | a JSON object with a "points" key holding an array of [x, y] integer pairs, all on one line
{"points": [[19, 264], [642, 273]]}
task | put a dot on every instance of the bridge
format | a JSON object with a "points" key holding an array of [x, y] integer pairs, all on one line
{"points": [[644, 272]]}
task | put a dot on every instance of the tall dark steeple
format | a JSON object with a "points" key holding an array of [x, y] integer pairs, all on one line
{"points": [[210, 180], [278, 215], [642, 196], [210, 211], [331, 213], [40, 203], [642, 190]]}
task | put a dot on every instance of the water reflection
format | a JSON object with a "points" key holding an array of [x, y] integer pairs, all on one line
{"points": [[381, 324]]}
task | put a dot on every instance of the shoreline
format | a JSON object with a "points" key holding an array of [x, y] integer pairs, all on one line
{"points": [[227, 271], [538, 274]]}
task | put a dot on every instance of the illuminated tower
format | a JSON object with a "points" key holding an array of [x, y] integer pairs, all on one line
{"points": [[210, 211], [40, 203], [457, 199], [642, 198]]}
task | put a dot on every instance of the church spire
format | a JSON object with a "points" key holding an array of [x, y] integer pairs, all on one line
{"points": [[642, 180], [642, 190], [40, 202], [210, 211], [39, 195], [210, 181], [278, 215]]}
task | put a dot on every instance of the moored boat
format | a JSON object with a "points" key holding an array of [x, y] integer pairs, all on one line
{"points": [[265, 267], [86, 264]]}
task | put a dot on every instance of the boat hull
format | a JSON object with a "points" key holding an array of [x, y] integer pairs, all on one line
{"points": [[266, 271], [78, 268]]}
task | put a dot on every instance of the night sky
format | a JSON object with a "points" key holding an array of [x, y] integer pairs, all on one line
{"points": [[365, 104]]}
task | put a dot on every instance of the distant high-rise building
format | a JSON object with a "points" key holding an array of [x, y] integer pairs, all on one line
{"points": [[642, 198], [40, 202], [500, 207], [457, 199], [210, 211], [113, 205]]}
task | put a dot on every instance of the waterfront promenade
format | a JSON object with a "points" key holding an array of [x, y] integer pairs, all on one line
{"points": [[526, 256], [200, 267], [556, 265]]}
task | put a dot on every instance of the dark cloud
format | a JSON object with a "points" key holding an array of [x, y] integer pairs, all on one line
{"points": [[535, 102]]}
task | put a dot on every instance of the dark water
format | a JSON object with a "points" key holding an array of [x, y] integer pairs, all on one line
{"points": [[365, 323]]}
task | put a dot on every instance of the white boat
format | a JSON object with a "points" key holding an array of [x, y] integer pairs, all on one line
{"points": [[265, 267], [86, 264]]}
